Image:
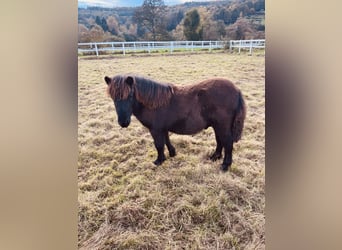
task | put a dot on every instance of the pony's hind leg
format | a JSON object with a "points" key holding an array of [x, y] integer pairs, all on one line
{"points": [[224, 140], [172, 150], [218, 151], [227, 160]]}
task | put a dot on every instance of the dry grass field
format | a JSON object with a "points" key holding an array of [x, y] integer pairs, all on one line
{"points": [[125, 202]]}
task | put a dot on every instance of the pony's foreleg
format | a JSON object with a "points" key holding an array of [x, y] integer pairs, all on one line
{"points": [[172, 150], [159, 142]]}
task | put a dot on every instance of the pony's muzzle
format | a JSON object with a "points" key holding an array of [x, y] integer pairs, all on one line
{"points": [[125, 123]]}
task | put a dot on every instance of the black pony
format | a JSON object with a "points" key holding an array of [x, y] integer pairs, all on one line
{"points": [[187, 109]]}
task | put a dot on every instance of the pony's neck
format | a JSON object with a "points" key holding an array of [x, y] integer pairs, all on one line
{"points": [[138, 108], [138, 112]]}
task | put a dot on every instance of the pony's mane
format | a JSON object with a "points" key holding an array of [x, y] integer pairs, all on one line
{"points": [[149, 92], [118, 89]]}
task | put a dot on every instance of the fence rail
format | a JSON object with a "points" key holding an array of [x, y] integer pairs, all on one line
{"points": [[246, 44], [171, 46]]}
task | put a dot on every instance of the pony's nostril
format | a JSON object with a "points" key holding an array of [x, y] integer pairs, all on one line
{"points": [[124, 124]]}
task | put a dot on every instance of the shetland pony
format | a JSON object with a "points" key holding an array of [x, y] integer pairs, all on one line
{"points": [[161, 107]]}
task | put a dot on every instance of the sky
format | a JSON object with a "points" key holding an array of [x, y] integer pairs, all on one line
{"points": [[129, 3]]}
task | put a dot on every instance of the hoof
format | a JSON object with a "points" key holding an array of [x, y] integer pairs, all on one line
{"points": [[224, 168], [172, 153], [158, 162], [215, 156]]}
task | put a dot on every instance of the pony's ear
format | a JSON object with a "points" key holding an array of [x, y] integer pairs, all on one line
{"points": [[129, 80], [107, 79]]}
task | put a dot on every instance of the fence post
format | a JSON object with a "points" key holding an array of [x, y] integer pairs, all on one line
{"points": [[239, 46], [97, 52], [230, 46], [250, 47]]}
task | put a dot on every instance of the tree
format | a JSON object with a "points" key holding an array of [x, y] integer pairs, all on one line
{"points": [[192, 29], [151, 17], [98, 20], [83, 34], [241, 29], [96, 33], [113, 25], [223, 14], [259, 5], [102, 23], [173, 19], [235, 15], [221, 32]]}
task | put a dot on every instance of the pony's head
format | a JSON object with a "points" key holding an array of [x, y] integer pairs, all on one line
{"points": [[125, 90], [120, 89]]}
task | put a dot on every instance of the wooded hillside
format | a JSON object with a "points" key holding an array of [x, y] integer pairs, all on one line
{"points": [[220, 20]]}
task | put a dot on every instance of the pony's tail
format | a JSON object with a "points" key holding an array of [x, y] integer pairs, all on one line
{"points": [[239, 119]]}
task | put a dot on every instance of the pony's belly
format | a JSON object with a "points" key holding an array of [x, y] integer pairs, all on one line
{"points": [[187, 126], [185, 131]]}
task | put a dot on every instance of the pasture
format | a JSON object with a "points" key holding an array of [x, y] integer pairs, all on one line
{"points": [[126, 202]]}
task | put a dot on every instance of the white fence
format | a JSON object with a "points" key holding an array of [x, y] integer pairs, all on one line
{"points": [[170, 46], [246, 44]]}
